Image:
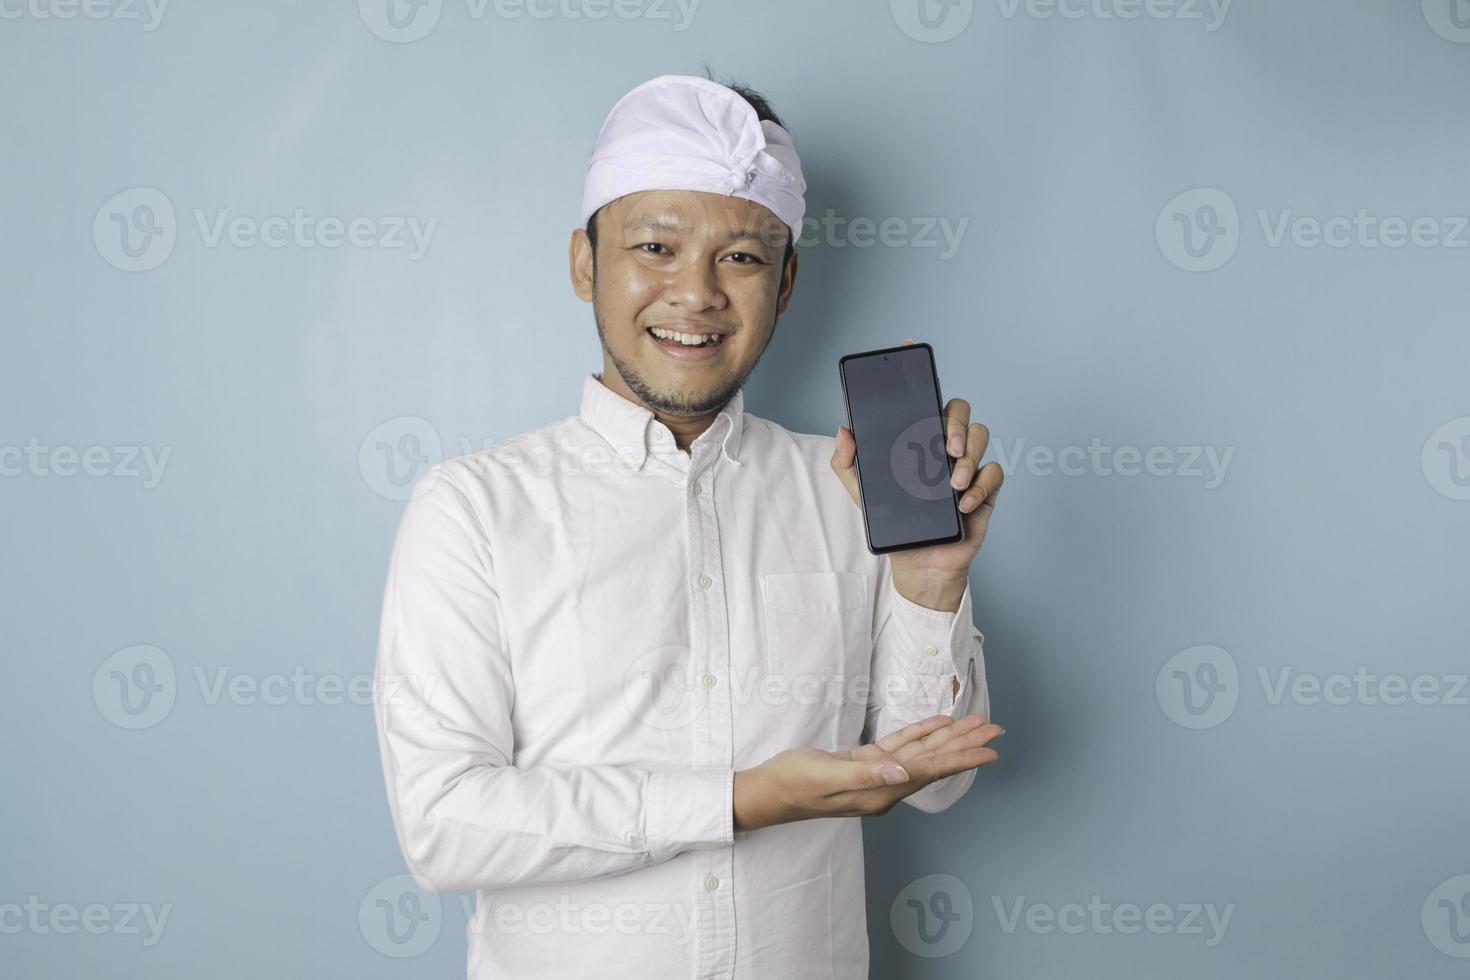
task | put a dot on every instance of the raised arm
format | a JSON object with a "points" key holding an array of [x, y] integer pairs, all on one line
{"points": [[925, 662]]}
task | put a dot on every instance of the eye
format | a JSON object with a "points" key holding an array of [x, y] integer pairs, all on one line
{"points": [[753, 259], [649, 245]]}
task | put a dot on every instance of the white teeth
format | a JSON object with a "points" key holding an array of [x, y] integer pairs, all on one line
{"points": [[687, 339]]}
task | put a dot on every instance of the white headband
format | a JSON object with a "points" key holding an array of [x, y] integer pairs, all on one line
{"points": [[682, 132]]}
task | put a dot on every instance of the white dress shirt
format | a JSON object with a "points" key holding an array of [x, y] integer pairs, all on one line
{"points": [[585, 632]]}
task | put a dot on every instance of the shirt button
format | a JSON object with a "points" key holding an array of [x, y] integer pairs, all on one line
{"points": [[711, 883], [930, 649], [630, 455], [710, 680], [695, 488], [705, 581]]}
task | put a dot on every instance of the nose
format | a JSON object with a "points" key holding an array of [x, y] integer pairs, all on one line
{"points": [[694, 287]]}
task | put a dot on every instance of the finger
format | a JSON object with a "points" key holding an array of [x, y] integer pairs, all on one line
{"points": [[956, 421], [961, 735], [919, 744], [860, 775], [984, 488], [894, 740], [938, 737], [976, 442], [950, 763], [866, 753], [844, 462], [958, 762]]}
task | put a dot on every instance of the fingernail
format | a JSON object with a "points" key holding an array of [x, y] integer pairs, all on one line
{"points": [[893, 775], [956, 447]]}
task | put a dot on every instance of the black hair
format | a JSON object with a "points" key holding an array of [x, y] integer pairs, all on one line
{"points": [[763, 111]]}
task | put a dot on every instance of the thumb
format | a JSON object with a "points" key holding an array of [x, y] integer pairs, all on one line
{"points": [[869, 774], [844, 462]]}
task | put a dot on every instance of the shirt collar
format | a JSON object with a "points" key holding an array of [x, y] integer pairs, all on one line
{"points": [[626, 425]]}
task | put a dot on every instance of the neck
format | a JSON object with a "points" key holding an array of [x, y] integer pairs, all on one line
{"points": [[686, 428]]}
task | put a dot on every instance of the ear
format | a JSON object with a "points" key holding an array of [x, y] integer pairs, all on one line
{"points": [[788, 283], [580, 258]]}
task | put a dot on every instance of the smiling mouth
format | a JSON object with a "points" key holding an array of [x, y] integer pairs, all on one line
{"points": [[677, 338]]}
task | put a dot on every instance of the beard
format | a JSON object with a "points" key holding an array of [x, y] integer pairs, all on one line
{"points": [[676, 403]]}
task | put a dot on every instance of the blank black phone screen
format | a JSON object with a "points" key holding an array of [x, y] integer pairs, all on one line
{"points": [[903, 469]]}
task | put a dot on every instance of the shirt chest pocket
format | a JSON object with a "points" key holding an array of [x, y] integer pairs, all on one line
{"points": [[818, 629]]}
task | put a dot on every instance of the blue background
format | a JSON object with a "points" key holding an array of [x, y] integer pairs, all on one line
{"points": [[1334, 542]]}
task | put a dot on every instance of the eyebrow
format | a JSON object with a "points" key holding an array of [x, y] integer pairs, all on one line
{"points": [[658, 224]]}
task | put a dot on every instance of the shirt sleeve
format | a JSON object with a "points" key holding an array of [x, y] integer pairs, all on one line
{"points": [[465, 815], [918, 653]]}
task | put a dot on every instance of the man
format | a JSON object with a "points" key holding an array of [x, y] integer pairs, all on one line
{"points": [[647, 673]]}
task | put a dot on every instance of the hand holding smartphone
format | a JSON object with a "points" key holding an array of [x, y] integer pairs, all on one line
{"points": [[896, 414]]}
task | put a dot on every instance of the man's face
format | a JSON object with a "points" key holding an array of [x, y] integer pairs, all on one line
{"points": [[689, 262]]}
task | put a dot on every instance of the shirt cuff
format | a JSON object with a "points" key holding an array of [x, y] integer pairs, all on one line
{"points": [[938, 642], [689, 808]]}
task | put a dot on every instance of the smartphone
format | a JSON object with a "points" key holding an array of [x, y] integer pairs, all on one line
{"points": [[896, 415]]}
